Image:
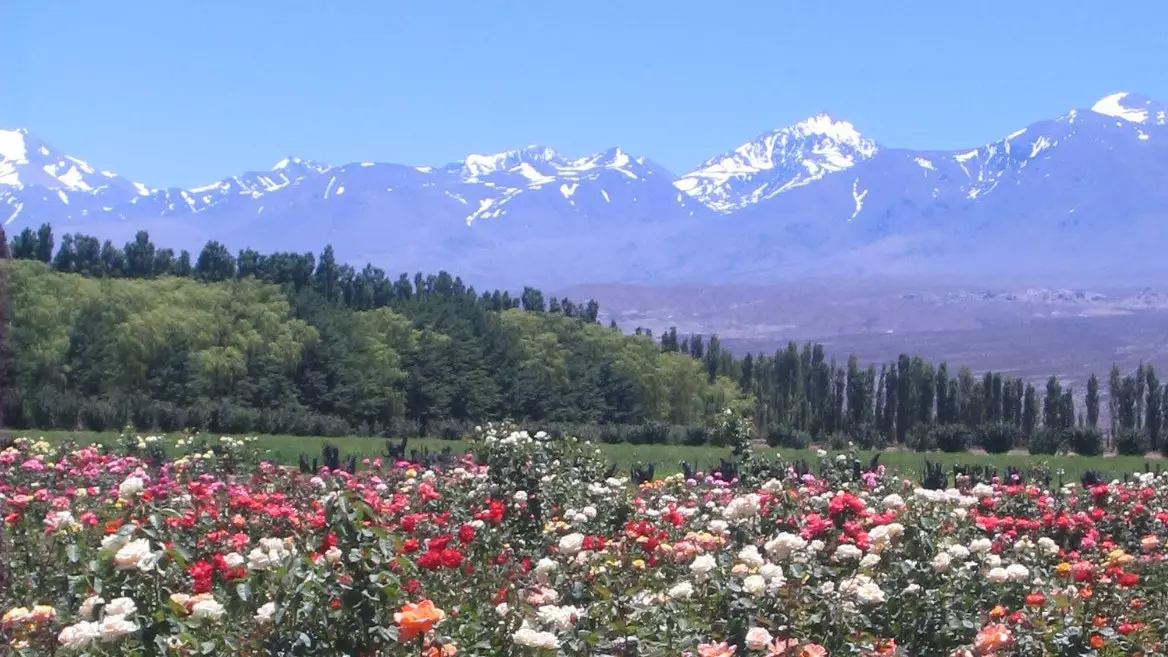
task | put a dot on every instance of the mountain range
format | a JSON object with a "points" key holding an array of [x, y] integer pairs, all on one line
{"points": [[1077, 199]]}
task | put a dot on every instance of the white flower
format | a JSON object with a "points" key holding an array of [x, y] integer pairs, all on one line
{"points": [[502, 608], [757, 638], [207, 610], [130, 488], [233, 560], [781, 547], [333, 554], [120, 607], [571, 544], [863, 589], [848, 552], [529, 638], [717, 526], [958, 551], [116, 627], [892, 501], [266, 612], [702, 565], [135, 554], [558, 617], [86, 611], [981, 545], [114, 541], [1016, 572], [749, 555], [941, 562], [997, 575], [257, 559], [79, 635], [869, 560], [754, 584], [1048, 546], [740, 508], [681, 591]]}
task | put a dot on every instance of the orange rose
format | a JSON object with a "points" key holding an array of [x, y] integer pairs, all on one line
{"points": [[415, 619]]}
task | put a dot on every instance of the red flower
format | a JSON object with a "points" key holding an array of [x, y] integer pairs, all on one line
{"points": [[466, 534]]}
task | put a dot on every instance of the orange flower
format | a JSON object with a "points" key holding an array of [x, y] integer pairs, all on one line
{"points": [[415, 619], [716, 649], [1096, 641], [992, 638], [812, 650], [998, 612], [444, 650], [1035, 599]]}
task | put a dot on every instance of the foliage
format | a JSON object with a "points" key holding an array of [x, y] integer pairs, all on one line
{"points": [[1085, 441], [997, 437], [1131, 442], [103, 335]]}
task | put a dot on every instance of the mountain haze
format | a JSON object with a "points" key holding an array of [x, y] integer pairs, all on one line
{"points": [[1077, 197]]}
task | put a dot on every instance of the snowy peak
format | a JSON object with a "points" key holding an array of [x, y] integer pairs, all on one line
{"points": [[294, 165], [777, 162], [1130, 107], [26, 160]]}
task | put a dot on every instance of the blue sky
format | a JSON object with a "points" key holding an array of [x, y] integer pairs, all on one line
{"points": [[182, 93]]}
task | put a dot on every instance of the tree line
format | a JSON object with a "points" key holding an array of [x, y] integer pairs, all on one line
{"points": [[298, 343]]}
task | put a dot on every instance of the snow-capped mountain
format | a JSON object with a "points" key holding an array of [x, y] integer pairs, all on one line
{"points": [[777, 162], [1074, 194]]}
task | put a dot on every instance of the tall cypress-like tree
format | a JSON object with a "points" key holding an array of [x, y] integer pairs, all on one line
{"points": [[5, 360], [1093, 401]]}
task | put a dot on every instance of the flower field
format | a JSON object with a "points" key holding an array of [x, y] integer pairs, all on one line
{"points": [[529, 546]]}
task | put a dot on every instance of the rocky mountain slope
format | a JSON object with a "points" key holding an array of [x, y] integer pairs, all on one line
{"points": [[1078, 198]]}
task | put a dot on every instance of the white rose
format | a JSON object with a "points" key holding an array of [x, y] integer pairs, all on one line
{"points": [[120, 607], [757, 638]]}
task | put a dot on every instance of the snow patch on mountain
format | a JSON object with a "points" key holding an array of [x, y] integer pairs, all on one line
{"points": [[1113, 106], [777, 162]]}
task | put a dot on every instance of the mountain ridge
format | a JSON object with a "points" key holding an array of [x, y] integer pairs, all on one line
{"points": [[814, 197]]}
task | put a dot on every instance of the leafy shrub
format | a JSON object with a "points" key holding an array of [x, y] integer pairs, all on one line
{"points": [[838, 442], [650, 433], [951, 438], [1045, 441], [997, 437], [1085, 441], [867, 436], [783, 435], [697, 435], [1131, 442], [922, 438]]}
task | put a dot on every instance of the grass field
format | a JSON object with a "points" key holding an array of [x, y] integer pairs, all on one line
{"points": [[287, 449]]}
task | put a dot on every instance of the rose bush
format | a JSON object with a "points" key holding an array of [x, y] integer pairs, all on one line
{"points": [[530, 548]]}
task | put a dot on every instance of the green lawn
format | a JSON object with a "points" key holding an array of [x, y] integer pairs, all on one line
{"points": [[287, 449]]}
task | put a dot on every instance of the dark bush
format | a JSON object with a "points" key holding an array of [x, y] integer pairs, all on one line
{"points": [[1045, 441], [1085, 441], [697, 435], [783, 435], [951, 438], [922, 438], [997, 437], [1131, 442]]}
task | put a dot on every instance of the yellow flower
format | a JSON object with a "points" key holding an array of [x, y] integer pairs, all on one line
{"points": [[639, 564]]}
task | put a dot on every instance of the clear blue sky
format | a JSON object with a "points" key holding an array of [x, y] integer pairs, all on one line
{"points": [[183, 93]]}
